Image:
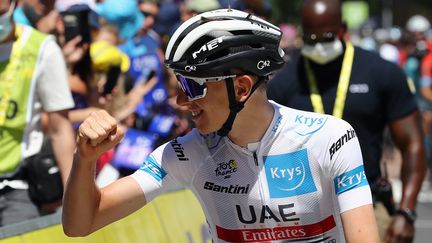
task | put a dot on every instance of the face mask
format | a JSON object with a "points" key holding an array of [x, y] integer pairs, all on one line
{"points": [[5, 23], [323, 53]]}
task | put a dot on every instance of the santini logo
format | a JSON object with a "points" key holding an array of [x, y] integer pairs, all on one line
{"points": [[179, 150], [226, 189], [341, 141]]}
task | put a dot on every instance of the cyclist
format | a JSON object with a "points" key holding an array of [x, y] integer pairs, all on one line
{"points": [[262, 172]]}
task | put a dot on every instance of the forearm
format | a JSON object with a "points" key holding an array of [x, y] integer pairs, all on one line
{"points": [[81, 198], [426, 92], [63, 145], [359, 225], [408, 136], [413, 171]]}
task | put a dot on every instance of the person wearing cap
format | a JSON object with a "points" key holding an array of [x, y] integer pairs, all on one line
{"points": [[125, 15], [261, 171], [33, 81], [332, 76]]}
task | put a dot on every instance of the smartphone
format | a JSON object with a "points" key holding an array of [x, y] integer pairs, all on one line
{"points": [[76, 23], [113, 74]]}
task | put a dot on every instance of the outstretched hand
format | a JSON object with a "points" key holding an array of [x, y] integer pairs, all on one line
{"points": [[98, 133]]}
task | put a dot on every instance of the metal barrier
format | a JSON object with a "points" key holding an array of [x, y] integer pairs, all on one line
{"points": [[171, 217]]}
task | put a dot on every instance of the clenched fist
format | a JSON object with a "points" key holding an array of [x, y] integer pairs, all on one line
{"points": [[98, 133]]}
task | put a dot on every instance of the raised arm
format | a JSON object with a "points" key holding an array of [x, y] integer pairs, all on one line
{"points": [[408, 137], [86, 208]]}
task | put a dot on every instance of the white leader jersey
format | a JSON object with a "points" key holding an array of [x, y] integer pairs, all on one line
{"points": [[291, 186]]}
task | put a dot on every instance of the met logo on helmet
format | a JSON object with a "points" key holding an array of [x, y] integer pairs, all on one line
{"points": [[208, 46]]}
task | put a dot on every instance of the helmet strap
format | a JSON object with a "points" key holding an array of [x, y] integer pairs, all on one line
{"points": [[234, 105]]}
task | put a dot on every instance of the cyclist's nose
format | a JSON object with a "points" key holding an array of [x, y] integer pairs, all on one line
{"points": [[182, 99]]}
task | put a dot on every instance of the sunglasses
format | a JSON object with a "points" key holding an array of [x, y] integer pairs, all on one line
{"points": [[312, 39], [148, 14], [196, 88]]}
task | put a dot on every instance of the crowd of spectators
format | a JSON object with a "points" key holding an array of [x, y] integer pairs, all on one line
{"points": [[114, 52]]}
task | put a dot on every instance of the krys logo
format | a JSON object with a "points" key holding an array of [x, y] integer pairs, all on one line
{"points": [[289, 174], [226, 169], [309, 124]]}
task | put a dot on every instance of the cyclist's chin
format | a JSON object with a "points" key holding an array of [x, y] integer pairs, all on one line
{"points": [[205, 129]]}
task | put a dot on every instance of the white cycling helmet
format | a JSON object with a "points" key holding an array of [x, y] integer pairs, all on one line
{"points": [[417, 23], [213, 45], [215, 42]]}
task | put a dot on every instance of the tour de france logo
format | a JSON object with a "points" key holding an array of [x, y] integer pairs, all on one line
{"points": [[289, 174], [225, 169]]}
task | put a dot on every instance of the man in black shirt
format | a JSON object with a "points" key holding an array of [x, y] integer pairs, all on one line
{"points": [[332, 76]]}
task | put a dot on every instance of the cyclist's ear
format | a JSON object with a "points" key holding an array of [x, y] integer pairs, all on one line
{"points": [[243, 86]]}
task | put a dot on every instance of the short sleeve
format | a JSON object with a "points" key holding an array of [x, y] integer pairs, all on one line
{"points": [[52, 86], [152, 177], [397, 97], [346, 169]]}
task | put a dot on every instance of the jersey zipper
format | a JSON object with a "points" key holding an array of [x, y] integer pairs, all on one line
{"points": [[255, 158]]}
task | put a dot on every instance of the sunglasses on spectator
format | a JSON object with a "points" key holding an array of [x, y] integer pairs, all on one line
{"points": [[312, 39], [147, 13], [196, 88]]}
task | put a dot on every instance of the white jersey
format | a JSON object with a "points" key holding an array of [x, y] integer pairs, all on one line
{"points": [[291, 186]]}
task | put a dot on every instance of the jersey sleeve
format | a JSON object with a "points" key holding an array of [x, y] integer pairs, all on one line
{"points": [[346, 169], [397, 97], [153, 176], [169, 167]]}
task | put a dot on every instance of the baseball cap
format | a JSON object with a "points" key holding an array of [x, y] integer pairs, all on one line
{"points": [[124, 14]]}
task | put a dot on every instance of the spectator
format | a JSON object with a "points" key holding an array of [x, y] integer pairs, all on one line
{"points": [[33, 79], [418, 67], [333, 77]]}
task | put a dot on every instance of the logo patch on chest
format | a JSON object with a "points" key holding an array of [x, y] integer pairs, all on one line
{"points": [[289, 174]]}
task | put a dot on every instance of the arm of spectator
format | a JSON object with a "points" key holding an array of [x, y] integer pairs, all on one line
{"points": [[79, 115], [77, 85], [86, 208], [74, 50], [62, 140], [426, 88], [135, 96], [408, 137]]}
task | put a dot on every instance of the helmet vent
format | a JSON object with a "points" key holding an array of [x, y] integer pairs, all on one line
{"points": [[266, 35], [239, 49]]}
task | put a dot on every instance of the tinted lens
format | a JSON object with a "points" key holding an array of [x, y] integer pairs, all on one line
{"points": [[192, 89]]}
